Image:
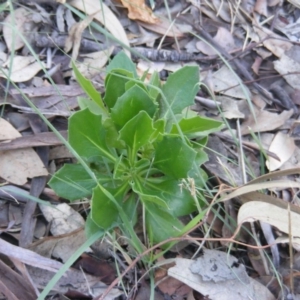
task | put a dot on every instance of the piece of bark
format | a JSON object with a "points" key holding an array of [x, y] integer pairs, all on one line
{"points": [[34, 140]]}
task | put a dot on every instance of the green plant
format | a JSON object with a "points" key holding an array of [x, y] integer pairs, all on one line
{"points": [[140, 141]]}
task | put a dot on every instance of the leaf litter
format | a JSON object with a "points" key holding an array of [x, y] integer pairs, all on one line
{"points": [[258, 39]]}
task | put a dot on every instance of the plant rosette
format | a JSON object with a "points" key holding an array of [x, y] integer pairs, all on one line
{"points": [[141, 143]]}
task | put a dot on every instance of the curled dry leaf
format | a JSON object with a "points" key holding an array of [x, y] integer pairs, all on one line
{"points": [[15, 26], [74, 38], [261, 6], [138, 10], [283, 146], [18, 165], [105, 16], [93, 62], [295, 2], [20, 68], [272, 41], [271, 214]]}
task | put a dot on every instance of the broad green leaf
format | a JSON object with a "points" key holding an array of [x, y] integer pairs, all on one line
{"points": [[122, 61], [112, 135], [115, 86], [197, 174], [159, 126], [161, 225], [122, 168], [91, 105], [188, 113], [173, 156], [197, 126], [139, 157], [72, 182], [145, 196], [194, 221], [130, 84], [148, 152], [90, 90], [179, 91], [201, 157], [178, 199], [154, 86], [137, 132], [130, 207], [104, 211], [88, 136], [130, 104], [142, 164], [91, 227], [199, 144]]}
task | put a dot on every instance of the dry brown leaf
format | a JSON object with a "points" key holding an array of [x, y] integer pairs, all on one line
{"points": [[295, 2], [138, 10], [271, 214], [291, 30], [167, 28], [35, 140], [74, 38], [288, 65], [56, 100], [18, 165], [272, 41], [293, 162], [16, 62], [20, 68], [62, 246], [261, 6], [225, 290], [222, 10], [230, 108], [273, 2], [256, 65], [283, 146], [105, 16], [246, 192], [63, 218], [225, 82], [93, 62], [15, 26], [265, 121], [75, 280], [223, 38]]}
